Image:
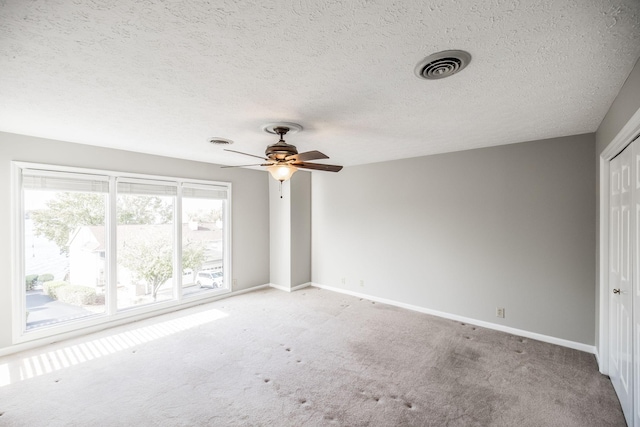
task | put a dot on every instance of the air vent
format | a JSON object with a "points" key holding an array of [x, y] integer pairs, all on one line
{"points": [[220, 141], [442, 64]]}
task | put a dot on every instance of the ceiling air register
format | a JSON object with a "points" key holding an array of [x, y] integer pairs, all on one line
{"points": [[442, 64]]}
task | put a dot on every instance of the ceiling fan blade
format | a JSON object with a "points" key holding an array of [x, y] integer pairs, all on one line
{"points": [[246, 154], [309, 155], [318, 167], [244, 166]]}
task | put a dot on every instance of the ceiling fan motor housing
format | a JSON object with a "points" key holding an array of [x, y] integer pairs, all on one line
{"points": [[280, 150]]}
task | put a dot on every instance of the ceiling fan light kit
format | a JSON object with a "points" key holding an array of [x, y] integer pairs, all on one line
{"points": [[282, 172], [282, 159]]}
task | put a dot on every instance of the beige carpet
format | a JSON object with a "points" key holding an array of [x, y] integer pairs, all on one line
{"points": [[309, 358]]}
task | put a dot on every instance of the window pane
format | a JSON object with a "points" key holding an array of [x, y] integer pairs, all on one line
{"points": [[145, 244], [202, 245], [64, 253]]}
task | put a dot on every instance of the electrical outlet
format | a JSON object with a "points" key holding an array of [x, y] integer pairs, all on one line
{"points": [[362, 283], [500, 312], [235, 282], [344, 280]]}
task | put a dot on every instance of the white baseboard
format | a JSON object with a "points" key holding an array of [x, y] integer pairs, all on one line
{"points": [[514, 331], [304, 285], [279, 287], [244, 291], [295, 288], [540, 337]]}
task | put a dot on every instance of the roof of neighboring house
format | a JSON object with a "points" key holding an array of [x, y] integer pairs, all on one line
{"points": [[95, 239]]}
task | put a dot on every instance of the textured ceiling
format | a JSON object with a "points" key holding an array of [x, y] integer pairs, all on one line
{"points": [[163, 76]]}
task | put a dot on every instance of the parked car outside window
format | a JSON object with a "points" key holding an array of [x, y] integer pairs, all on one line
{"points": [[209, 279]]}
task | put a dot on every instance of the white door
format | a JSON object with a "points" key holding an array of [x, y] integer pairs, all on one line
{"points": [[635, 249], [620, 281]]}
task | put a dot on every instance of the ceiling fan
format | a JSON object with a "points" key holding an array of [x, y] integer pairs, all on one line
{"points": [[282, 159]]}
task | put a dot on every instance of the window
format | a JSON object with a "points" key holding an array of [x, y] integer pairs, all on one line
{"points": [[62, 212], [203, 215], [94, 246], [146, 243]]}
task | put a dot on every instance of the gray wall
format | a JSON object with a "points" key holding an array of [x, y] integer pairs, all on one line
{"points": [[466, 232], [250, 215], [623, 107], [301, 228]]}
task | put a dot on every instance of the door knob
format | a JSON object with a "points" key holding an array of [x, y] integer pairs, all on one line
{"points": [[616, 291]]}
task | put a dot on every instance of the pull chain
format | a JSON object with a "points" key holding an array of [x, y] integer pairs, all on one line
{"points": [[281, 189]]}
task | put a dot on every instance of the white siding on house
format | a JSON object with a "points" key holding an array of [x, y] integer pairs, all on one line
{"points": [[86, 260]]}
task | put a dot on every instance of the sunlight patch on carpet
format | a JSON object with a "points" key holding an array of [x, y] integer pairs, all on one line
{"points": [[24, 368]]}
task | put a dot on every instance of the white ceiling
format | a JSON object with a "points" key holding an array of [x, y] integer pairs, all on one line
{"points": [[162, 77]]}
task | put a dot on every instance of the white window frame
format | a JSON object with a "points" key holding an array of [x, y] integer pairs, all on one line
{"points": [[111, 316]]}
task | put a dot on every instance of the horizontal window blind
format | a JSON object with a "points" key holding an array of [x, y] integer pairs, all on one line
{"points": [[128, 187], [64, 181], [195, 191]]}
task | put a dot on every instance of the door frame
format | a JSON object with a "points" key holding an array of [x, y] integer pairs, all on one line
{"points": [[621, 140]]}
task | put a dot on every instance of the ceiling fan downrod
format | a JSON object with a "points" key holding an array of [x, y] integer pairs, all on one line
{"points": [[282, 131]]}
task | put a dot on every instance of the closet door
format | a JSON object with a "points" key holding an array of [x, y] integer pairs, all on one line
{"points": [[635, 245], [620, 281]]}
